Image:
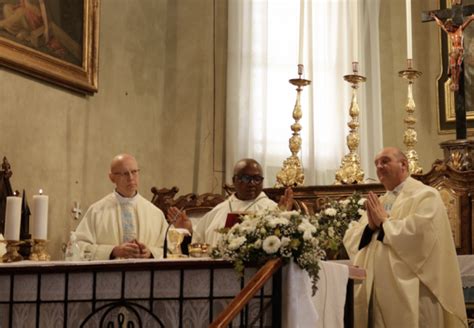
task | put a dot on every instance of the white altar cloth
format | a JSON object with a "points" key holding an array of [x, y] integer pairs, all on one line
{"points": [[326, 308]]}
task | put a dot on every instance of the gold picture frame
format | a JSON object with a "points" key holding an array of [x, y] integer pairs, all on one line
{"points": [[446, 99], [53, 40]]}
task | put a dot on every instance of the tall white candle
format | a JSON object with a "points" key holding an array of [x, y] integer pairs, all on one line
{"points": [[13, 218], [355, 29], [409, 31], [40, 216], [301, 33]]}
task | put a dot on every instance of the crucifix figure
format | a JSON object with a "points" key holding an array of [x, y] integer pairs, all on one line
{"points": [[454, 21], [455, 34]]}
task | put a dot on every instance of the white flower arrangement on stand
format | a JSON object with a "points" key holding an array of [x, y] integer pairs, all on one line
{"points": [[335, 218], [272, 234]]}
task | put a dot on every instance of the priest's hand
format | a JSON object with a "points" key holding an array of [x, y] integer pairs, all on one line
{"points": [[179, 219], [145, 252], [286, 201], [126, 250], [376, 214]]}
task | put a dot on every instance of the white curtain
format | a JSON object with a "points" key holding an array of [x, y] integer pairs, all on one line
{"points": [[263, 39]]}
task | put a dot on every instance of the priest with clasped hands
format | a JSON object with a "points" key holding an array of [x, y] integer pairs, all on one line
{"points": [[404, 242], [123, 224], [248, 197]]}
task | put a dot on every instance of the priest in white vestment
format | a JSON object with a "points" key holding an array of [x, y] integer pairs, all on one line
{"points": [[248, 197], [123, 224], [405, 244]]}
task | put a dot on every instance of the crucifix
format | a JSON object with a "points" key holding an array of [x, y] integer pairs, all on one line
{"points": [[76, 211], [454, 21]]}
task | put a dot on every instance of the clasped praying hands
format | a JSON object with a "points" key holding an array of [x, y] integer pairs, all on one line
{"points": [[376, 213]]}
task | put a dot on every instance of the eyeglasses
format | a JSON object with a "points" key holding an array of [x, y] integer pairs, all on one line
{"points": [[257, 179], [132, 173]]}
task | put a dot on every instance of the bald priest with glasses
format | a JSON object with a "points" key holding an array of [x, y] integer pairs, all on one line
{"points": [[123, 224], [248, 197]]}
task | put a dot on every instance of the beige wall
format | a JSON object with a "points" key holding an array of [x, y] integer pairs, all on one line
{"points": [[155, 100], [162, 98], [426, 53]]}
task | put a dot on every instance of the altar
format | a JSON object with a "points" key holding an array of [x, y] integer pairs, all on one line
{"points": [[156, 293], [148, 293]]}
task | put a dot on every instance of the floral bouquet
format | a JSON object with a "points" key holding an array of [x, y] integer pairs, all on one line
{"points": [[271, 234], [336, 217]]}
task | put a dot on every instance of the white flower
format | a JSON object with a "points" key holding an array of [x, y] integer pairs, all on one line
{"points": [[289, 214], [305, 225], [344, 202], [271, 244], [248, 226], [258, 244], [361, 201], [331, 232], [330, 211], [236, 243], [285, 241], [278, 221], [307, 235], [361, 211]]}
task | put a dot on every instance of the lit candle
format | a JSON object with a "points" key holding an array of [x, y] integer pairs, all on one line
{"points": [[13, 218], [355, 30], [40, 216], [301, 41], [409, 33]]}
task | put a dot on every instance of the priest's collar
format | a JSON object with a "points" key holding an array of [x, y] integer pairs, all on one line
{"points": [[234, 198], [121, 199], [397, 189]]}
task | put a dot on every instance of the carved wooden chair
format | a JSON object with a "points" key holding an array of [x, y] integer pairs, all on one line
{"points": [[195, 205]]}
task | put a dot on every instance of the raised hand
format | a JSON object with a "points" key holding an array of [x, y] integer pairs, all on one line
{"points": [[179, 219], [286, 201]]}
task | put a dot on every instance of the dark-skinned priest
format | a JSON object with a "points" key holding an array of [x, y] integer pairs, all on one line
{"points": [[248, 197], [404, 242]]}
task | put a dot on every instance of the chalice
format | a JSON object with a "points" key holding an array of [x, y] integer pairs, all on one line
{"points": [[175, 239]]}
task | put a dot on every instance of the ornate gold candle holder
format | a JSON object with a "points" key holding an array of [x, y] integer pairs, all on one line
{"points": [[410, 136], [350, 171], [12, 254], [292, 174], [38, 250]]}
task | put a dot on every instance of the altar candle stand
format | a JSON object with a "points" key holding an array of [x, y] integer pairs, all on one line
{"points": [[40, 227], [12, 229], [350, 171], [410, 135]]}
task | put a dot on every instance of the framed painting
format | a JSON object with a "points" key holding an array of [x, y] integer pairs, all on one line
{"points": [[53, 40], [446, 98]]}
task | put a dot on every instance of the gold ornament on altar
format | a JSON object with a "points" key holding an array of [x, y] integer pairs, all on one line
{"points": [[410, 136], [12, 254], [38, 250], [292, 174], [350, 171]]}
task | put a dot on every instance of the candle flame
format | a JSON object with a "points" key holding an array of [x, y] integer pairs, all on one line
{"points": [[41, 191]]}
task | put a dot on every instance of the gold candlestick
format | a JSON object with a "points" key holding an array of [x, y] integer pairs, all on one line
{"points": [[350, 171], [38, 250], [12, 254], [291, 174], [409, 137]]}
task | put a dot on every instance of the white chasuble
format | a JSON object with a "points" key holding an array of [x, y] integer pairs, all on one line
{"points": [[412, 267], [205, 230], [101, 228]]}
